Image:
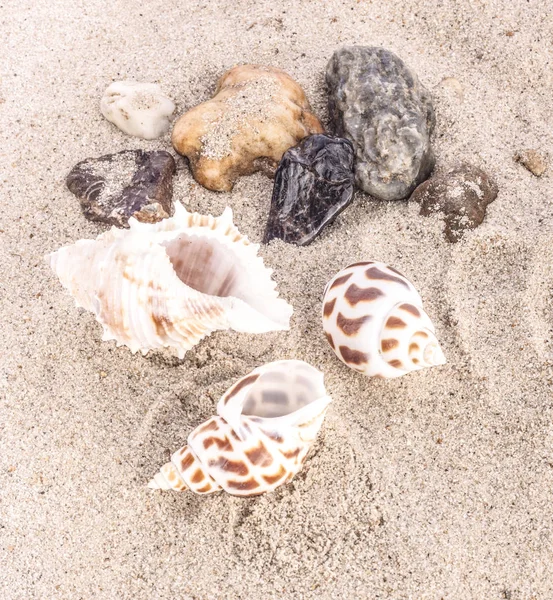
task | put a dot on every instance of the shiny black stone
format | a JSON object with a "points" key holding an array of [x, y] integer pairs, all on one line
{"points": [[313, 184]]}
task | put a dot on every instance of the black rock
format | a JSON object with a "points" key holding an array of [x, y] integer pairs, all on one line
{"points": [[461, 193], [379, 104], [313, 184], [132, 183]]}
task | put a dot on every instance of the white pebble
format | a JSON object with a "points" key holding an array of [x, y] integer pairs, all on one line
{"points": [[138, 109]]}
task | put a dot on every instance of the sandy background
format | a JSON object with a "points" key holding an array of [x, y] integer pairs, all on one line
{"points": [[434, 485]]}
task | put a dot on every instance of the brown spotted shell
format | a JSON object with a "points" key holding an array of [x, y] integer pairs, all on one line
{"points": [[266, 424], [374, 321]]}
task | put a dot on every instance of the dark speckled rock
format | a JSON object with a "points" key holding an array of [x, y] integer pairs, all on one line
{"points": [[462, 194], [313, 184], [132, 183], [379, 104]]}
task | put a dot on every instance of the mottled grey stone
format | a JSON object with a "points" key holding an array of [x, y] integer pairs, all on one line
{"points": [[132, 183], [379, 104], [461, 193], [314, 182]]}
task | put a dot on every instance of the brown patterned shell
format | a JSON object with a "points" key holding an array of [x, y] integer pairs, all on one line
{"points": [[266, 425], [374, 321]]}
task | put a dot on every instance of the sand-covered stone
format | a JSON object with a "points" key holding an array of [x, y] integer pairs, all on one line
{"points": [[257, 113], [132, 183], [461, 193], [138, 109], [314, 182], [378, 103], [532, 160]]}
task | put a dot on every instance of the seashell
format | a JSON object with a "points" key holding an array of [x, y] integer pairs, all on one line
{"points": [[257, 113], [374, 321], [139, 109], [266, 424], [170, 284], [131, 183]]}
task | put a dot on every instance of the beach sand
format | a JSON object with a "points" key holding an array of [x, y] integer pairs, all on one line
{"points": [[434, 485]]}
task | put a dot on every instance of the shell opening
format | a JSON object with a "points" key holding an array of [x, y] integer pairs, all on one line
{"points": [[279, 393], [215, 268], [205, 265]]}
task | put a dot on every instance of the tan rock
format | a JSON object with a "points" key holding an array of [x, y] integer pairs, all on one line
{"points": [[534, 161], [453, 87], [257, 113]]}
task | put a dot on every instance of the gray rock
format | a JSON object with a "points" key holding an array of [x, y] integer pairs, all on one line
{"points": [[132, 183], [378, 103], [461, 193]]}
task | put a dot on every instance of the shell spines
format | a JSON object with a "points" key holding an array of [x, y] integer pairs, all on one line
{"points": [[127, 278]]}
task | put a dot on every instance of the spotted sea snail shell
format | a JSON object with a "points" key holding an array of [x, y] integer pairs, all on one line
{"points": [[266, 424], [374, 321], [170, 284]]}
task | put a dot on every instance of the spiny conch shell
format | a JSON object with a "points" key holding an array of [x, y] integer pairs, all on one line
{"points": [[266, 424], [374, 321], [169, 284]]}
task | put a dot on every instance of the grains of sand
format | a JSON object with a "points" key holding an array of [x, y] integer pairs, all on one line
{"points": [[252, 103]]}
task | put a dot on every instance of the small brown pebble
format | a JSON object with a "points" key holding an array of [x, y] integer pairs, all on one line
{"points": [[533, 160], [132, 183], [461, 193]]}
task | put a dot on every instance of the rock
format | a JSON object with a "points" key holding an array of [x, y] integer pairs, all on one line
{"points": [[379, 104], [139, 109], [453, 87], [313, 184], [534, 161], [462, 193], [257, 113], [132, 183]]}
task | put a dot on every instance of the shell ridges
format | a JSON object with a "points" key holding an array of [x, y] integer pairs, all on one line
{"points": [[171, 283]]}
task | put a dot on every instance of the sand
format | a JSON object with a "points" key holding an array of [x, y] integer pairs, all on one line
{"points": [[434, 485]]}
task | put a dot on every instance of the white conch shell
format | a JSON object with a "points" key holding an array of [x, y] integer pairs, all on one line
{"points": [[169, 284], [139, 109], [374, 321], [266, 424]]}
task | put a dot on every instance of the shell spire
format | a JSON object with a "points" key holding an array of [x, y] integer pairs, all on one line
{"points": [[374, 321], [266, 424], [171, 283]]}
